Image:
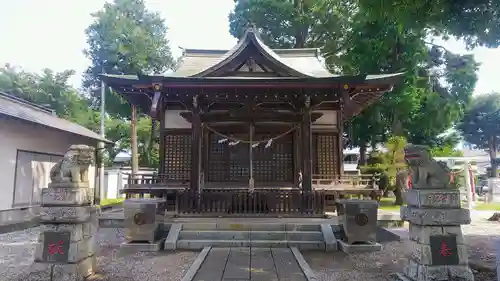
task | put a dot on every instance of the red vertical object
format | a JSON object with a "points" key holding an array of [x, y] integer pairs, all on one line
{"points": [[472, 183], [409, 181]]}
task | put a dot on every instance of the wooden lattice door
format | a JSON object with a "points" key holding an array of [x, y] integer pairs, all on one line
{"points": [[178, 156], [217, 160], [273, 164], [227, 163], [325, 150]]}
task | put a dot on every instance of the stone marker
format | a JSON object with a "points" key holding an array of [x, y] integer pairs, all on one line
{"points": [[493, 190], [498, 260], [66, 245], [437, 244]]}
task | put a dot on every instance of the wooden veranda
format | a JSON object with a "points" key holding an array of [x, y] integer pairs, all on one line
{"points": [[250, 130]]}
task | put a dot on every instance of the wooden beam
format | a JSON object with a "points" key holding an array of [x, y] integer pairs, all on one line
{"points": [[155, 103], [263, 116]]}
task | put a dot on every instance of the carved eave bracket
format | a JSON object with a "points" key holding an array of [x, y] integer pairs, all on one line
{"points": [[155, 103]]}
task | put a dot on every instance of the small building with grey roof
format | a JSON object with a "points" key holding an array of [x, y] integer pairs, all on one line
{"points": [[32, 140]]}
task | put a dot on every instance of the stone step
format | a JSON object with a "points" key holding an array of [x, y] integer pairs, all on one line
{"points": [[251, 226], [200, 244], [251, 235]]}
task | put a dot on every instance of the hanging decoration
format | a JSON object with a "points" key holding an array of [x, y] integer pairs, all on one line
{"points": [[269, 142], [232, 141]]}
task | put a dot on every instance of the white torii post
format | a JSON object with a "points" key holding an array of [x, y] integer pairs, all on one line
{"points": [[468, 186]]}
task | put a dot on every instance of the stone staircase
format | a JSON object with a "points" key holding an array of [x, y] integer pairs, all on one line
{"points": [[266, 235]]}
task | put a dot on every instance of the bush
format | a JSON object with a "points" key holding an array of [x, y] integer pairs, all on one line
{"points": [[376, 165]]}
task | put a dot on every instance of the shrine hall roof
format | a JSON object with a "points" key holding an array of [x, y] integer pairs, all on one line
{"points": [[297, 65], [305, 61], [392, 78], [297, 62]]}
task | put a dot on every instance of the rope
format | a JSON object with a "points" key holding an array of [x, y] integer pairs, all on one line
{"points": [[236, 140]]}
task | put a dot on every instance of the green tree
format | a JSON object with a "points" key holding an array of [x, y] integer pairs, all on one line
{"points": [[481, 125], [376, 164], [293, 24], [125, 38], [396, 166], [48, 89], [437, 86], [477, 22], [53, 90]]}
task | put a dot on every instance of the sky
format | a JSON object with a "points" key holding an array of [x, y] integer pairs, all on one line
{"points": [[39, 34]]}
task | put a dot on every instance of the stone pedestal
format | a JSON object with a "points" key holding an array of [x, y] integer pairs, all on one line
{"points": [[66, 246], [438, 249], [498, 259], [493, 190], [142, 229], [359, 222]]}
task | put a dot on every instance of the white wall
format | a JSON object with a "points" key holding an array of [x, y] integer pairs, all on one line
{"points": [[14, 135], [175, 121], [116, 179]]}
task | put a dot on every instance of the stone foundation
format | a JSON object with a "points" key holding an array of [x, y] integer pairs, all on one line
{"points": [[438, 249], [67, 242]]}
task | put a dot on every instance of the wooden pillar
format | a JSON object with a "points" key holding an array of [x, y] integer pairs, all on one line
{"points": [[297, 164], [133, 138], [346, 103], [161, 149], [196, 134], [340, 141], [205, 153], [158, 113], [306, 147], [251, 183]]}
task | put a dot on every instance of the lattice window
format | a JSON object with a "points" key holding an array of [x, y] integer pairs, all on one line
{"points": [[217, 160], [238, 162], [274, 163], [231, 163], [178, 156], [326, 154]]}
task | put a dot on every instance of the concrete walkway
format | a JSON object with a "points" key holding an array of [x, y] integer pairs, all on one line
{"points": [[249, 264]]}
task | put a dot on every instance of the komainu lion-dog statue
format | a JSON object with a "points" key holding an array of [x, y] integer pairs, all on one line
{"points": [[74, 166], [426, 173]]}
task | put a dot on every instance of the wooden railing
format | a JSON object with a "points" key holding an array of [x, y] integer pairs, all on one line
{"points": [[149, 180], [346, 186], [245, 202], [344, 181]]}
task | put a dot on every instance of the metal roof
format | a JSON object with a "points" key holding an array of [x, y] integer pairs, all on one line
{"points": [[15, 107]]}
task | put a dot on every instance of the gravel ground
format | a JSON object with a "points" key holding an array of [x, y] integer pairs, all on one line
{"points": [[377, 266], [114, 263]]}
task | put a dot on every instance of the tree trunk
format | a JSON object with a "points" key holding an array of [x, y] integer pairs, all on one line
{"points": [[362, 155], [301, 30], [397, 129], [493, 156]]}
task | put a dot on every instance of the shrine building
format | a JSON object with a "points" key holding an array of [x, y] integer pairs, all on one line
{"points": [[250, 118]]}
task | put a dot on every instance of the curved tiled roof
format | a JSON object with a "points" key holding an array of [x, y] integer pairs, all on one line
{"points": [[299, 62]]}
